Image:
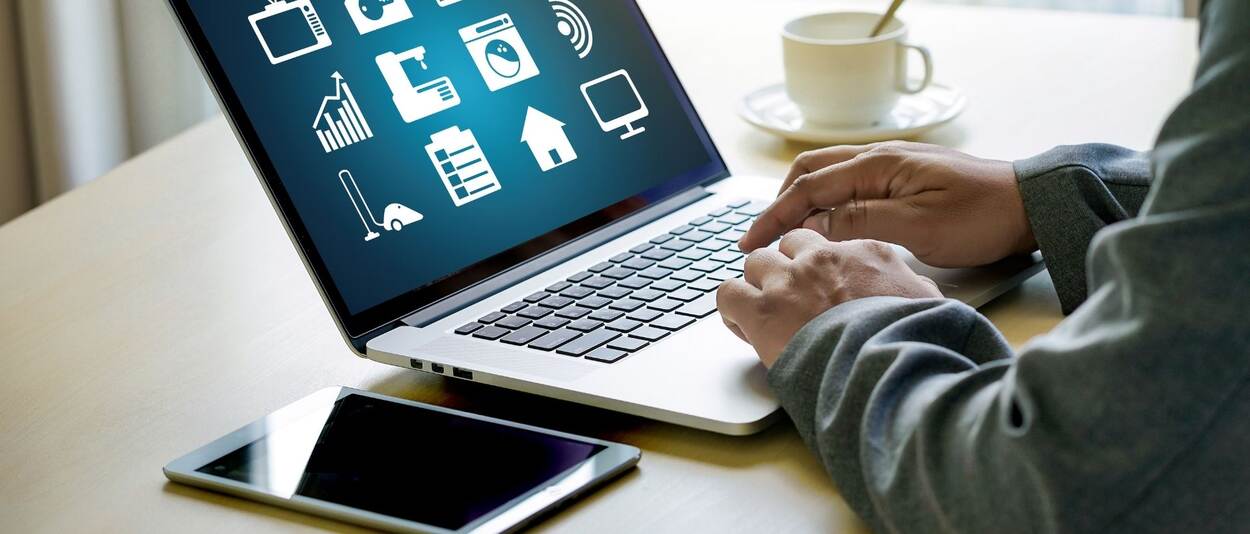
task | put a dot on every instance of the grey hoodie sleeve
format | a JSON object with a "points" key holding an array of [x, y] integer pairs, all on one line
{"points": [[1131, 416], [1072, 192]]}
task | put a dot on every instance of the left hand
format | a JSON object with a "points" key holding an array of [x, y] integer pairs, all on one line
{"points": [[782, 290]]}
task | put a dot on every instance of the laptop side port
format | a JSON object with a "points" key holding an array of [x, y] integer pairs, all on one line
{"points": [[461, 373], [437, 368], [416, 364]]}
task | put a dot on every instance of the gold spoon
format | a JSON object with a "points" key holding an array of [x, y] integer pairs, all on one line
{"points": [[885, 19]]}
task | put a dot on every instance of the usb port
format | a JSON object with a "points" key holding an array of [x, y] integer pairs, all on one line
{"points": [[416, 364], [461, 373], [437, 368]]}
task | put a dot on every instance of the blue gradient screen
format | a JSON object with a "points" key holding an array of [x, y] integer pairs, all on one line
{"points": [[416, 138]]}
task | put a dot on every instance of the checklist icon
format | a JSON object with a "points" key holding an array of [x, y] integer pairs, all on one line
{"points": [[462, 165]]}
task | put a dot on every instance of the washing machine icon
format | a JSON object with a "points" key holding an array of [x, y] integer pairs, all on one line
{"points": [[499, 52]]}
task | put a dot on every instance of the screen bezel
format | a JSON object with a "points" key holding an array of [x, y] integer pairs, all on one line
{"points": [[612, 460], [363, 324]]}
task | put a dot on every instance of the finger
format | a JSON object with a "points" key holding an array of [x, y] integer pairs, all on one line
{"points": [[796, 241], [859, 178], [734, 300], [812, 161], [891, 220], [762, 265]]}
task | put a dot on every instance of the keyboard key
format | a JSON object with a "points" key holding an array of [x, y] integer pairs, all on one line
{"points": [[647, 295], [537, 297], [534, 312], [687, 275], [677, 245], [514, 322], [624, 325], [555, 303], [585, 325], [694, 254], [724, 274], [491, 332], [593, 303], [680, 230], [675, 264], [636, 282], [732, 236], [587, 343], [655, 273], [578, 292], [638, 264], [628, 344], [706, 266], [551, 323], [665, 305], [738, 264], [658, 254], [698, 236], [686, 295], [600, 267], [714, 245], [622, 257], [554, 339], [660, 239], [642, 248], [667, 285], [514, 307], [700, 308], [753, 209], [645, 315], [726, 256], [648, 333], [577, 278], [468, 328], [734, 218], [494, 316], [573, 312], [704, 285], [606, 355], [523, 336], [672, 322], [719, 212], [558, 287], [606, 316], [618, 273], [627, 305], [738, 203], [615, 292], [598, 282], [701, 221]]}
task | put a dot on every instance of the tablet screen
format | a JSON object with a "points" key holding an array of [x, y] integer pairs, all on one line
{"points": [[402, 461]]}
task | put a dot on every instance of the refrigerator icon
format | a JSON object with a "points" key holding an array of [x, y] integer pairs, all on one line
{"points": [[499, 52]]}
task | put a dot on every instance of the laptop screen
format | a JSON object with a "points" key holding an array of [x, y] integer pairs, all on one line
{"points": [[416, 147]]}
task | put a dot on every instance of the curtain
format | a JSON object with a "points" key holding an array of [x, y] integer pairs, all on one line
{"points": [[85, 85]]}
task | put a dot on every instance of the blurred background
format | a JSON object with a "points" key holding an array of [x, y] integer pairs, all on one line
{"points": [[87, 84]]}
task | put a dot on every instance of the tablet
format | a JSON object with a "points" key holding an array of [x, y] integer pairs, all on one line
{"points": [[397, 465]]}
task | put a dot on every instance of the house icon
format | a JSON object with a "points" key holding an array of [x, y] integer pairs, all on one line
{"points": [[547, 140]]}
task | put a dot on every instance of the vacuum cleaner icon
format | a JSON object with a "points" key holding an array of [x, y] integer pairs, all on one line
{"points": [[394, 218]]}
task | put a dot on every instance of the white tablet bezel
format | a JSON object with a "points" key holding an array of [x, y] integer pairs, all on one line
{"points": [[614, 459]]}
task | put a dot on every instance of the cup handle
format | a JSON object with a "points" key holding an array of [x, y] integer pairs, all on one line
{"points": [[903, 83]]}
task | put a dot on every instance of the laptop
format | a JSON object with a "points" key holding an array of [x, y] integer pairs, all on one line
{"points": [[514, 193]]}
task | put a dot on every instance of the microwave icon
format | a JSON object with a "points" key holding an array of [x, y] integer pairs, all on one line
{"points": [[288, 29]]}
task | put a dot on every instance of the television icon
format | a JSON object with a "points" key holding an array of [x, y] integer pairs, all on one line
{"points": [[616, 103], [288, 29]]}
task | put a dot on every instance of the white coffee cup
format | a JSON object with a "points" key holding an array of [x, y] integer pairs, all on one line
{"points": [[838, 75]]}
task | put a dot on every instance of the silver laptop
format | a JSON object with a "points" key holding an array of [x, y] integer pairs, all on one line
{"points": [[514, 193]]}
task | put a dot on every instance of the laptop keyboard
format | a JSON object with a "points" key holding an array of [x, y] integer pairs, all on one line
{"points": [[637, 298]]}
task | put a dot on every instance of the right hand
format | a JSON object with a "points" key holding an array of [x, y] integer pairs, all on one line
{"points": [[946, 207]]}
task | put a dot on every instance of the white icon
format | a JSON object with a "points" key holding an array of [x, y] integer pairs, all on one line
{"points": [[349, 128], [371, 15], [463, 167], [546, 138], [574, 26], [445, 3], [274, 26], [416, 102], [499, 52], [616, 103], [394, 218]]}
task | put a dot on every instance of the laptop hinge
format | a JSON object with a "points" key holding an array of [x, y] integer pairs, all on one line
{"points": [[552, 258]]}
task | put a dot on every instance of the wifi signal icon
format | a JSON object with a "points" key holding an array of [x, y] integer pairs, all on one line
{"points": [[573, 25]]}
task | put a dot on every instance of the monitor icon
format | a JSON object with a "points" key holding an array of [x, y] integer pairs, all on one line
{"points": [[616, 103]]}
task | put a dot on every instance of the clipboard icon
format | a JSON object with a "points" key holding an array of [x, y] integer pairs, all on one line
{"points": [[288, 29]]}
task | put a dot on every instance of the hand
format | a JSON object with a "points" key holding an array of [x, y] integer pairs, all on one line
{"points": [[782, 290], [948, 208]]}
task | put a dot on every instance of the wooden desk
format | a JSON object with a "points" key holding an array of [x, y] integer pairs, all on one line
{"points": [[162, 306]]}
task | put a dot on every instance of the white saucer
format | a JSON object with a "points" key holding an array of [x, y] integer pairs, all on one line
{"points": [[771, 110]]}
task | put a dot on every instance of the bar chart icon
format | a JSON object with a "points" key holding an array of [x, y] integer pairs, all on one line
{"points": [[339, 122]]}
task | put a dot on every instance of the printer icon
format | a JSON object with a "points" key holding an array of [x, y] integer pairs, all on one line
{"points": [[372, 15]]}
